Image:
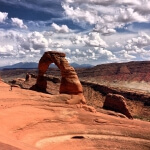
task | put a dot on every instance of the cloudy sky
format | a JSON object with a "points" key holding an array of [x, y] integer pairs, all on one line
{"points": [[88, 31]]}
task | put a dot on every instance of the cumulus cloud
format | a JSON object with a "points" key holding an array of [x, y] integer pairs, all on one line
{"points": [[117, 14], [143, 8], [18, 22], [37, 40], [92, 55], [129, 2], [60, 29], [104, 54], [104, 30], [79, 15], [105, 2], [117, 44], [103, 38], [30, 43], [56, 44], [137, 47], [93, 39], [128, 15], [24, 45], [7, 50], [3, 16], [96, 2], [141, 41], [77, 39], [125, 56]]}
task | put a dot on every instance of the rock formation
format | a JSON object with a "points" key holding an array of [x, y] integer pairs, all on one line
{"points": [[117, 103], [70, 83], [124, 70], [28, 77]]}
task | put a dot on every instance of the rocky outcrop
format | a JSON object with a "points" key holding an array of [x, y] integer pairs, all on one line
{"points": [[117, 103], [124, 70], [28, 77], [70, 83]]}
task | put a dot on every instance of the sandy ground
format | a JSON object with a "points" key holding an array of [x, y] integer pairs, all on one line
{"points": [[32, 120]]}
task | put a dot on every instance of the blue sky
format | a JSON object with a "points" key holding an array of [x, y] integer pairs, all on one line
{"points": [[88, 31]]}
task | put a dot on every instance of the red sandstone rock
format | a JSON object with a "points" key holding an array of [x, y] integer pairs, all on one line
{"points": [[117, 103], [70, 83], [33, 120], [28, 77], [124, 70]]}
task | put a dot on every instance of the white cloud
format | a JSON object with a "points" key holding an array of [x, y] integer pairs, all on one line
{"points": [[77, 39], [79, 15], [105, 2], [104, 55], [29, 44], [37, 40], [18, 22], [125, 56], [103, 38], [143, 8], [141, 41], [136, 47], [3, 16], [117, 44], [104, 30], [95, 2], [129, 2], [117, 15], [94, 40], [93, 55], [56, 45], [7, 50], [128, 15], [66, 51], [60, 29], [24, 44]]}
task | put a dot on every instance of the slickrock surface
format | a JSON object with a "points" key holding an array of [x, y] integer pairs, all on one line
{"points": [[35, 121]]}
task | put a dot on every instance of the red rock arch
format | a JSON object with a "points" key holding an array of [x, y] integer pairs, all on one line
{"points": [[70, 83]]}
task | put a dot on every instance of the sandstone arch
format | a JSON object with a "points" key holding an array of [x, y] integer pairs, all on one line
{"points": [[70, 83]]}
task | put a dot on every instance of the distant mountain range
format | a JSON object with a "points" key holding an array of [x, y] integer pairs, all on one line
{"points": [[34, 65]]}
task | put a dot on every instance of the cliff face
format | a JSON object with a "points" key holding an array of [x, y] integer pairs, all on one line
{"points": [[131, 71]]}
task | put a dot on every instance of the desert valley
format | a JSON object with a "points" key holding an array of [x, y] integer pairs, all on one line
{"points": [[115, 115]]}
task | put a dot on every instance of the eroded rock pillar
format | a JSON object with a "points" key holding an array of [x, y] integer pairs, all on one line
{"points": [[43, 65]]}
